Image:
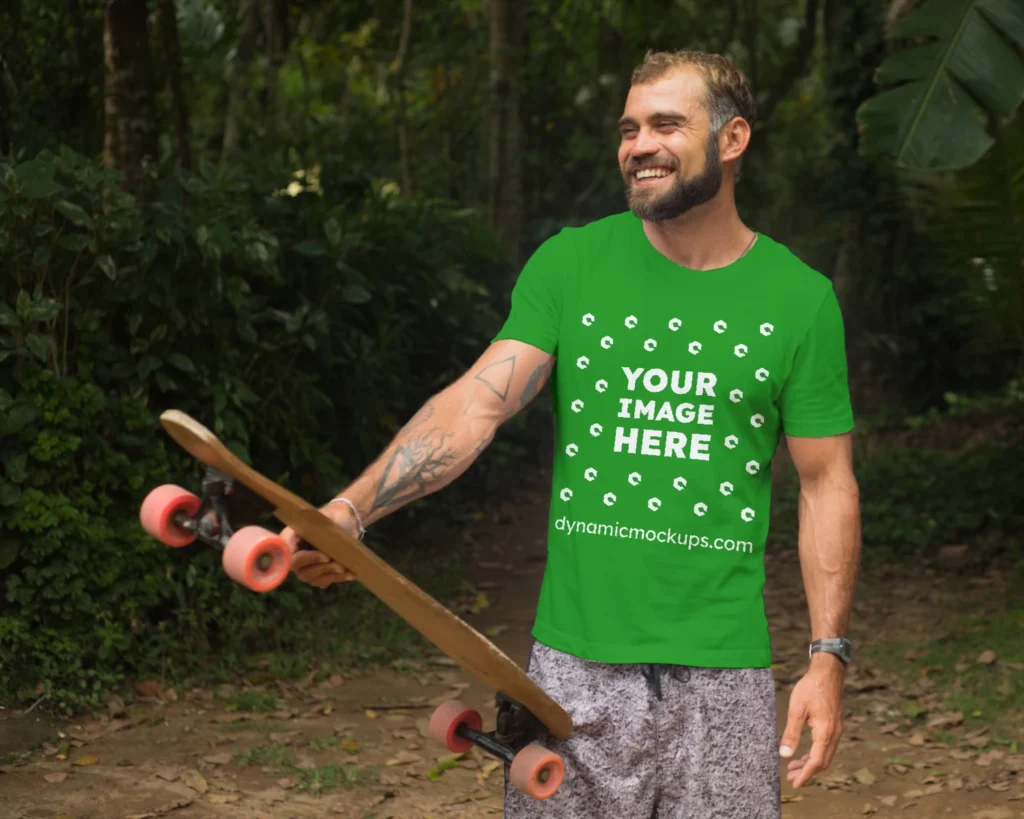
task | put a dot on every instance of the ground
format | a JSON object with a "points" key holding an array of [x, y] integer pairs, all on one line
{"points": [[354, 745]]}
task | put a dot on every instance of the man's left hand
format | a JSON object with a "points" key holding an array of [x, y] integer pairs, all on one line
{"points": [[817, 702]]}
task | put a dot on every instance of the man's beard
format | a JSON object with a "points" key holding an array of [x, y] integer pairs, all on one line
{"points": [[683, 195]]}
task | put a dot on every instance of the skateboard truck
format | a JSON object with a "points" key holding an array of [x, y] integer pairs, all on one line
{"points": [[516, 728], [531, 767], [222, 501], [255, 557]]}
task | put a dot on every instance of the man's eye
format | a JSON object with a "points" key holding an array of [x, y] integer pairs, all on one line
{"points": [[662, 126], [628, 132]]}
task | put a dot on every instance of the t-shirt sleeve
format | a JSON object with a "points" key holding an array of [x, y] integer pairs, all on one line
{"points": [[815, 400], [536, 312]]}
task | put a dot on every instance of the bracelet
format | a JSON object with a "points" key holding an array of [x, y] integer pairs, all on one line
{"points": [[359, 520]]}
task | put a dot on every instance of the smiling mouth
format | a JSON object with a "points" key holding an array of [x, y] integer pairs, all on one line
{"points": [[651, 174]]}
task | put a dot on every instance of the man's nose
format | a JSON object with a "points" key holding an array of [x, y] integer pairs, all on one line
{"points": [[645, 144]]}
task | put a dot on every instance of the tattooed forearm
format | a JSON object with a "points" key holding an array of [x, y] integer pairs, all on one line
{"points": [[443, 439], [414, 465], [538, 378], [498, 376]]}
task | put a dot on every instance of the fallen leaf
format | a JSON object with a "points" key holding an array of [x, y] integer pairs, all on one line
{"points": [[888, 728], [931, 790], [168, 774], [914, 793], [917, 738], [955, 784], [55, 777], [223, 798], [115, 706], [865, 777], [488, 768], [149, 688], [218, 759], [404, 758], [82, 761], [993, 813], [481, 603], [888, 801], [987, 759], [947, 720], [371, 714], [787, 798], [170, 695], [869, 809], [197, 782], [999, 787], [987, 657]]}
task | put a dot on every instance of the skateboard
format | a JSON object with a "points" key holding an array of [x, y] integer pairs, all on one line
{"points": [[260, 560]]}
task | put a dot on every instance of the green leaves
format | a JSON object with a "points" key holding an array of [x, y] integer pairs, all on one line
{"points": [[74, 213], [968, 67]]}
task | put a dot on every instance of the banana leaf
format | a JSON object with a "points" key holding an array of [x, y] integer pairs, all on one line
{"points": [[963, 63]]}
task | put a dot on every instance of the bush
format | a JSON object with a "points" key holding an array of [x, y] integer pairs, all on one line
{"points": [[302, 329]]}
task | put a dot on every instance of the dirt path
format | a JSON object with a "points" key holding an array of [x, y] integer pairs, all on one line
{"points": [[355, 747]]}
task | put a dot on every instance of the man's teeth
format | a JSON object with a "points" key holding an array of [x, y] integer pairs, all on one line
{"points": [[652, 173]]}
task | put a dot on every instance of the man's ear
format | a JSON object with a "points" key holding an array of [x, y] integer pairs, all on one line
{"points": [[733, 139]]}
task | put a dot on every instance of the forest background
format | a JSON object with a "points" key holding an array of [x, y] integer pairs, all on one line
{"points": [[296, 219]]}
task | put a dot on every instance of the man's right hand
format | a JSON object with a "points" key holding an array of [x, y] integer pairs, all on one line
{"points": [[314, 567]]}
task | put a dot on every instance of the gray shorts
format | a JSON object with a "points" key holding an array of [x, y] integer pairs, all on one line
{"points": [[658, 742]]}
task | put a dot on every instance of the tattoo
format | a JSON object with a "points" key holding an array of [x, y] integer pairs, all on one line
{"points": [[413, 466], [536, 383], [501, 374]]}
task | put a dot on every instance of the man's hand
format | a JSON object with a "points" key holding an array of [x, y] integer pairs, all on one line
{"points": [[316, 568], [817, 701]]}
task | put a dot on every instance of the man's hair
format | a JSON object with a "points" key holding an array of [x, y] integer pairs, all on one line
{"points": [[729, 94]]}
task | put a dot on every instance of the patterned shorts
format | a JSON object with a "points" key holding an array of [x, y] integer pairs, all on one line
{"points": [[658, 742]]}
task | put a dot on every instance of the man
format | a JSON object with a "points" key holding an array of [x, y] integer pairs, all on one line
{"points": [[687, 345]]}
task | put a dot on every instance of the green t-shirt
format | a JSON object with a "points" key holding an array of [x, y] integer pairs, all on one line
{"points": [[672, 389]]}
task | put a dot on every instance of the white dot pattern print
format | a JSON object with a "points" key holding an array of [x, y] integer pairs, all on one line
{"points": [[655, 383]]}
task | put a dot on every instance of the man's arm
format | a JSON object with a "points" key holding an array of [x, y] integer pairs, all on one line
{"points": [[449, 432], [438, 444], [829, 544]]}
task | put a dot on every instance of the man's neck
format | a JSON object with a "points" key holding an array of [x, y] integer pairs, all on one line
{"points": [[707, 237]]}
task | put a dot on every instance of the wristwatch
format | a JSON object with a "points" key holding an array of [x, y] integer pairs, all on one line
{"points": [[839, 646]]}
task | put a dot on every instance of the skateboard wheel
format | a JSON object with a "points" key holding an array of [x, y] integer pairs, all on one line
{"points": [[536, 771], [158, 512], [447, 718], [257, 558]]}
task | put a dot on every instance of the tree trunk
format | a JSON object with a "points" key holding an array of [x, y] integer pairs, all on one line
{"points": [[5, 112], [130, 134], [277, 36], [167, 22], [504, 143], [248, 13], [403, 125]]}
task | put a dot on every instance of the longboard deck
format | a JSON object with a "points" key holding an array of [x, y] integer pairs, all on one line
{"points": [[455, 637]]}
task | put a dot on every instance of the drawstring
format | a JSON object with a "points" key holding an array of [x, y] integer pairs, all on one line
{"points": [[653, 673]]}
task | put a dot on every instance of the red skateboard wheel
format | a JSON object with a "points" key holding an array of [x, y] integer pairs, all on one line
{"points": [[448, 717], [158, 510], [536, 771], [257, 558]]}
